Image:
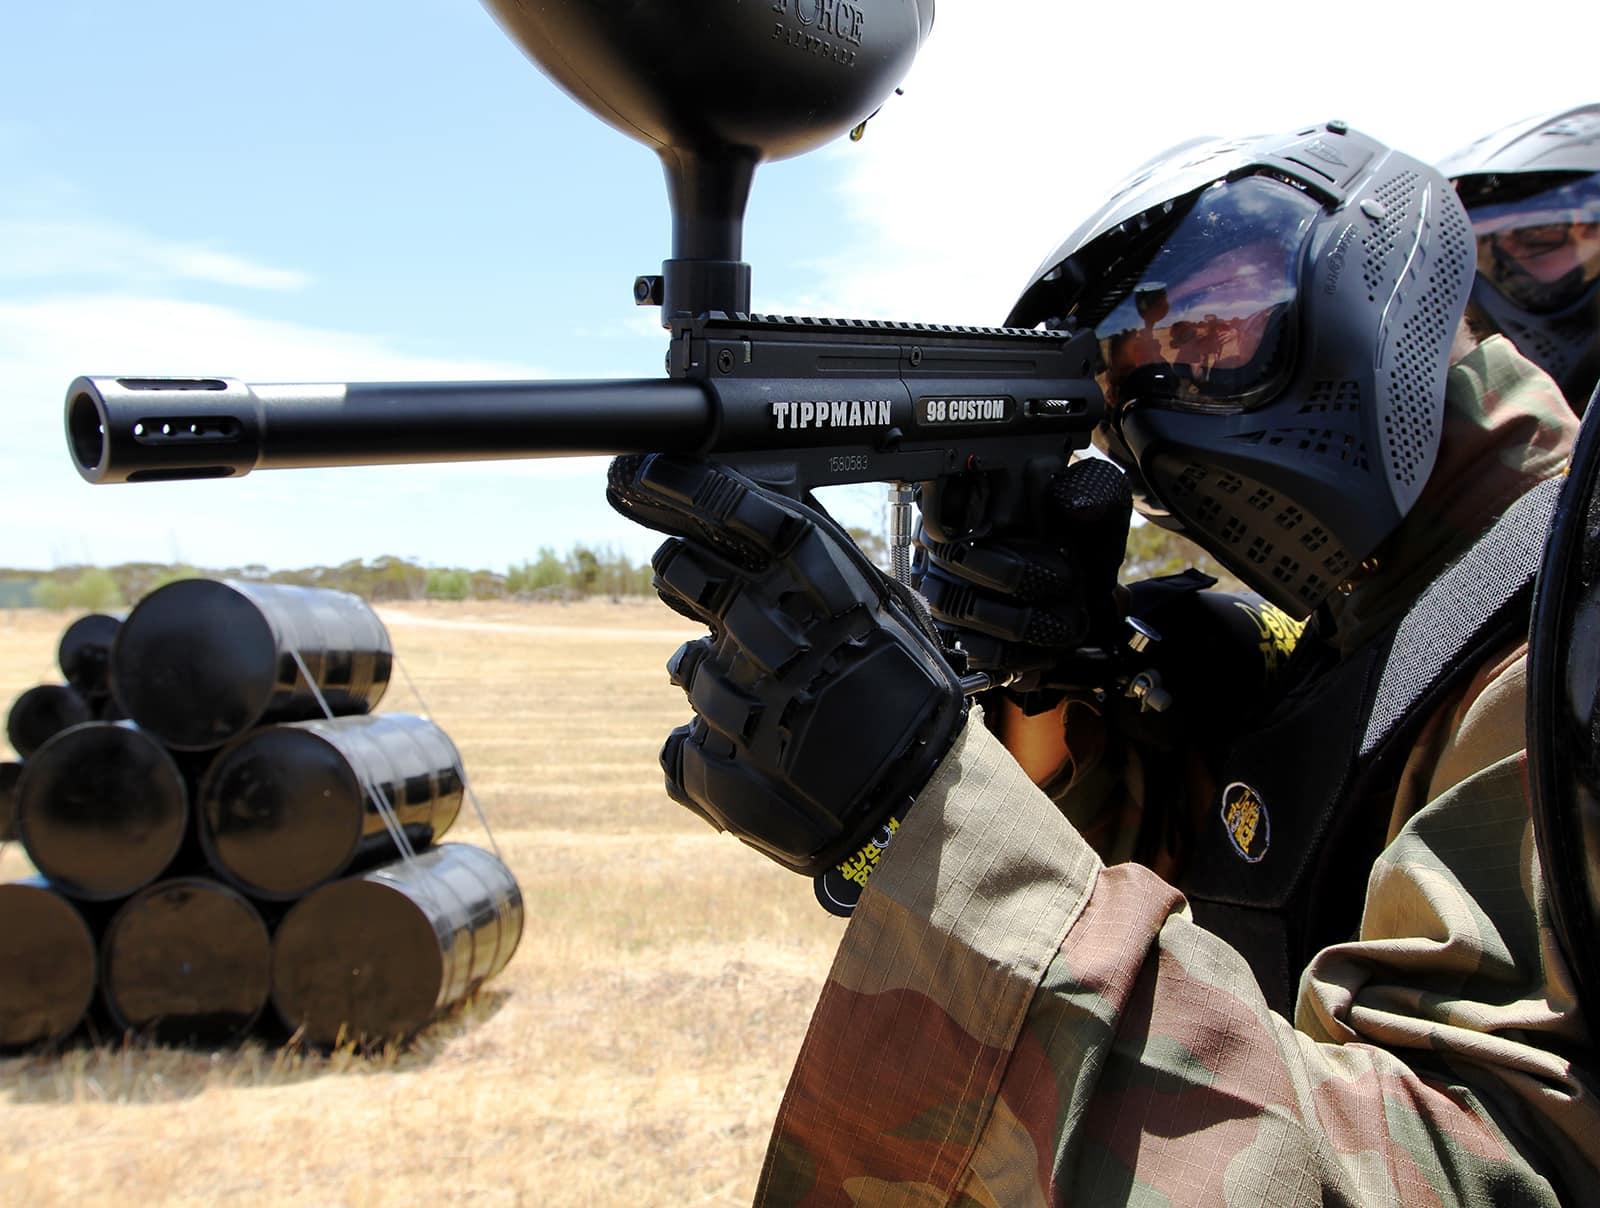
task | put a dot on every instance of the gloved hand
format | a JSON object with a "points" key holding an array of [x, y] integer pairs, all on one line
{"points": [[1022, 602], [822, 699]]}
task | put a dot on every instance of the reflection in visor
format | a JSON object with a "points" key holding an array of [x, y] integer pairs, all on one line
{"points": [[1543, 251], [1210, 323]]}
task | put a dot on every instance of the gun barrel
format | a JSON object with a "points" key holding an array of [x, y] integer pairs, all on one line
{"points": [[160, 429]]}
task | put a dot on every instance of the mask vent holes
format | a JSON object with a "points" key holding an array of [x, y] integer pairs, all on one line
{"points": [[1397, 197], [1330, 396], [1537, 345], [1421, 356]]}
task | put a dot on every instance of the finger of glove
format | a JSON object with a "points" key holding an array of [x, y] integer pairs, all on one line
{"points": [[985, 653], [962, 606], [733, 796], [672, 770], [698, 583], [716, 699], [1027, 570], [703, 502], [1089, 506], [694, 581]]}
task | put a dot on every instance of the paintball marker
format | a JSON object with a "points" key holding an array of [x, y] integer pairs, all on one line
{"points": [[794, 403]]}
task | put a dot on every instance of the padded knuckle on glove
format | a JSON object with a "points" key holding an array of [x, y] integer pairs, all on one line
{"points": [[673, 480], [685, 660], [1026, 570], [964, 607], [997, 569], [701, 582], [722, 705], [767, 637], [764, 522], [826, 574], [672, 770]]}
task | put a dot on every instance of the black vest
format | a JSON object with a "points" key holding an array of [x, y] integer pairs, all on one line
{"points": [[1280, 866]]}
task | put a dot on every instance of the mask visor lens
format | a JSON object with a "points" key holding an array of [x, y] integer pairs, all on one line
{"points": [[1210, 324], [1542, 252]]}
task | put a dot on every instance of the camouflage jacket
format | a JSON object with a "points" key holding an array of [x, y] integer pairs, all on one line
{"points": [[1009, 1021]]}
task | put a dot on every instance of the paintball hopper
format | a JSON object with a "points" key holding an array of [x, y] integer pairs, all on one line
{"points": [[715, 87]]}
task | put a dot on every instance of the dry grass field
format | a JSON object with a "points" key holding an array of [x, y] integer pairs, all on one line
{"points": [[633, 1052]]}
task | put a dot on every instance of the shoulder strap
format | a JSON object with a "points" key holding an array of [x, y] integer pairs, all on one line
{"points": [[1314, 787], [1470, 602]]}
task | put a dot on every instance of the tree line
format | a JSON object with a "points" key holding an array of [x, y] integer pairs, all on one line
{"points": [[583, 572]]}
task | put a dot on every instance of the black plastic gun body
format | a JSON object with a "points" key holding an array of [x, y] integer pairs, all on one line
{"points": [[794, 403]]}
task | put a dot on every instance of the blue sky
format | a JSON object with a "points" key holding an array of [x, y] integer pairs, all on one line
{"points": [[355, 190]]}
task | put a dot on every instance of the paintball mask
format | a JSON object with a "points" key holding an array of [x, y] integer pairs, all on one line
{"points": [[1274, 319], [1532, 191]]}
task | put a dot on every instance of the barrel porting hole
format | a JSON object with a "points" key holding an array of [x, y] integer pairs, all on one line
{"points": [[87, 431]]}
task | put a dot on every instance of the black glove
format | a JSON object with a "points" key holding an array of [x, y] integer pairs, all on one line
{"points": [[1021, 602], [823, 701]]}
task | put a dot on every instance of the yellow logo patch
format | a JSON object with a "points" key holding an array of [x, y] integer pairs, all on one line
{"points": [[1279, 632], [1244, 817]]}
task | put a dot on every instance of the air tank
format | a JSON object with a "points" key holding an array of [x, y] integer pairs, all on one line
{"points": [[377, 956], [101, 810], [84, 653], [288, 807], [41, 713], [186, 961], [47, 965], [201, 661]]}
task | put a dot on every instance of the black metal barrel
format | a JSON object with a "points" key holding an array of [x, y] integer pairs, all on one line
{"points": [[160, 429], [84, 653], [47, 965], [101, 810], [10, 774], [186, 961], [288, 807], [377, 956], [201, 661], [41, 713]]}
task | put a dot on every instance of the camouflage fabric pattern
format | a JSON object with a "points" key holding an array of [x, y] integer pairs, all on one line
{"points": [[1011, 1022], [1506, 425]]}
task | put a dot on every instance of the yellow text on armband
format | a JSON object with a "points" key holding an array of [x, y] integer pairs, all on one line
{"points": [[859, 867]]}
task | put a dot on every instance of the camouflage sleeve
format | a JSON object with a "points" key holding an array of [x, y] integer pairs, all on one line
{"points": [[1008, 1022]]}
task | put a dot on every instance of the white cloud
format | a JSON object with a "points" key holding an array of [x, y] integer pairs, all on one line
{"points": [[109, 253], [1020, 117]]}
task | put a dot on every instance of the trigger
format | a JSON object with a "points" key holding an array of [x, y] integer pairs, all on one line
{"points": [[962, 512]]}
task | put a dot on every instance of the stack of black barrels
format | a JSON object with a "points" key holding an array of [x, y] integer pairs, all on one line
{"points": [[219, 821]]}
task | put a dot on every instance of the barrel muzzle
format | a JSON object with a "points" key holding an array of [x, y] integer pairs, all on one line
{"points": [[162, 429]]}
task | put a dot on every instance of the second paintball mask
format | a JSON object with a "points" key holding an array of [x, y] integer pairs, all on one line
{"points": [[1532, 191], [1275, 317]]}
